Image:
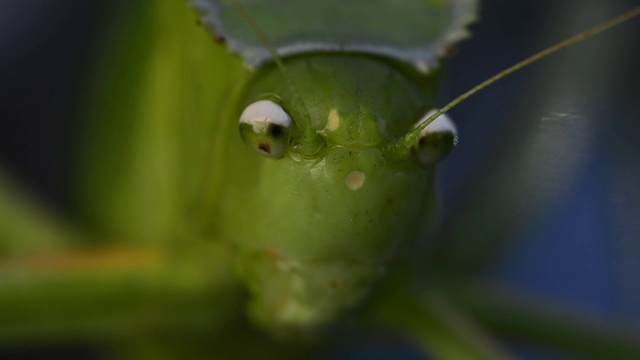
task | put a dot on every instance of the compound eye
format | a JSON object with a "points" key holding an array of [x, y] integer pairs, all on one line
{"points": [[265, 127], [437, 140]]}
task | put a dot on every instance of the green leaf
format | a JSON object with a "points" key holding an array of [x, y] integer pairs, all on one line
{"points": [[152, 118], [411, 31]]}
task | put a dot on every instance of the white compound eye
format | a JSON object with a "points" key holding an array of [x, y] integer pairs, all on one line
{"points": [[437, 140], [265, 127]]}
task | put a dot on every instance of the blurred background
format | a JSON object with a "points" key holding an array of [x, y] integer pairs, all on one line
{"points": [[542, 193], [547, 161], [575, 116]]}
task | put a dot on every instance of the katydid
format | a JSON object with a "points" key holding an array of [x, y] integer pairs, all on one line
{"points": [[312, 224], [317, 218]]}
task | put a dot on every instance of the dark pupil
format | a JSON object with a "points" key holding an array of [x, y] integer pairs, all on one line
{"points": [[275, 130]]}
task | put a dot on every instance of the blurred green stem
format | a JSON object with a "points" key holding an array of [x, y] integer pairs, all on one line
{"points": [[26, 224], [526, 317], [120, 297], [433, 323]]}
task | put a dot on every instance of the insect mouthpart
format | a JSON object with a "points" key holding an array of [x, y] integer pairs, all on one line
{"points": [[298, 298]]}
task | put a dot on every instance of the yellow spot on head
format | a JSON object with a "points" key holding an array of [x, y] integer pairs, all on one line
{"points": [[355, 180], [334, 120]]}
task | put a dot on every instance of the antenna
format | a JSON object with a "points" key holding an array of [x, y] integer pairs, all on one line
{"points": [[310, 142], [404, 144]]}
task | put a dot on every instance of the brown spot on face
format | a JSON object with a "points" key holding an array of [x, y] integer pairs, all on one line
{"points": [[334, 284], [264, 147], [219, 39], [272, 255]]}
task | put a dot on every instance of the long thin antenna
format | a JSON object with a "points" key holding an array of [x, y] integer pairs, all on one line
{"points": [[407, 141], [310, 140]]}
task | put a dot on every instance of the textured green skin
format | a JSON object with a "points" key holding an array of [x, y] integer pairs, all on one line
{"points": [[309, 246]]}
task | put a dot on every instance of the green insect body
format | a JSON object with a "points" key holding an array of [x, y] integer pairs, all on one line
{"points": [[314, 232]]}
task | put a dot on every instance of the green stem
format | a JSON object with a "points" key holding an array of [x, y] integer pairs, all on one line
{"points": [[519, 315], [196, 290], [434, 323], [27, 225]]}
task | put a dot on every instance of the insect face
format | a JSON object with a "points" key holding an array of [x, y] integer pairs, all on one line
{"points": [[314, 233]]}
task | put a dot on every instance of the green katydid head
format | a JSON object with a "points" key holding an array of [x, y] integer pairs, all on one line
{"points": [[315, 202], [314, 232]]}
